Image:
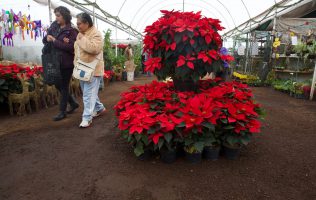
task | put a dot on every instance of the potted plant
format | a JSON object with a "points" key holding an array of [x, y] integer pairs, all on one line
{"points": [[311, 51], [168, 153], [141, 145], [212, 145], [184, 46], [300, 49], [193, 147], [233, 142]]}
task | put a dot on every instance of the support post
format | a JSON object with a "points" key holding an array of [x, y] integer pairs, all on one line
{"points": [[50, 12], [311, 95], [95, 2]]}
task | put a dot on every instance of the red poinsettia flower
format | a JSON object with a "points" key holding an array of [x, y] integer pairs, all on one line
{"points": [[152, 64], [155, 137], [186, 60]]}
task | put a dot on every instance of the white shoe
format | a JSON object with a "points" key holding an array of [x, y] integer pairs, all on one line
{"points": [[98, 113], [85, 124]]}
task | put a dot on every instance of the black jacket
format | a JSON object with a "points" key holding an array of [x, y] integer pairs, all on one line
{"points": [[66, 50]]}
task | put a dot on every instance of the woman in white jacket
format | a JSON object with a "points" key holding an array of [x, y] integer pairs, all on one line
{"points": [[89, 45]]}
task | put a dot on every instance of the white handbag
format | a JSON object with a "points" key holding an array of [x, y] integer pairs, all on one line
{"points": [[84, 71]]}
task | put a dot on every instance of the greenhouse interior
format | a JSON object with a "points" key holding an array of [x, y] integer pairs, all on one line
{"points": [[157, 99]]}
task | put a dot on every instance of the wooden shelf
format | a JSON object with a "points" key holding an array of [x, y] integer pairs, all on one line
{"points": [[284, 56], [291, 71]]}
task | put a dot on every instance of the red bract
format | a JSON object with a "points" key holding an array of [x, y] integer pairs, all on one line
{"points": [[11, 71], [188, 60], [152, 64], [183, 39], [156, 109]]}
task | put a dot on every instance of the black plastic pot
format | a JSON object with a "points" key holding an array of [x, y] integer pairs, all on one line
{"points": [[211, 153], [193, 157], [180, 150], [185, 85], [124, 76], [168, 156], [146, 155], [231, 153]]}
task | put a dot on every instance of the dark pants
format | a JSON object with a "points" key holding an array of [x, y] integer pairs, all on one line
{"points": [[63, 88]]}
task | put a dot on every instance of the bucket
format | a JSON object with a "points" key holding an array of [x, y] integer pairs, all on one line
{"points": [[130, 76]]}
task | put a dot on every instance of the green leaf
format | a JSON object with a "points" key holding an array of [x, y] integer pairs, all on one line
{"points": [[188, 141], [181, 125], [232, 140], [138, 137], [195, 130], [245, 140], [160, 143], [130, 138], [199, 146], [2, 81], [152, 106], [224, 121], [229, 127], [178, 38], [151, 130], [145, 139], [209, 125], [209, 141], [139, 149], [168, 137]]}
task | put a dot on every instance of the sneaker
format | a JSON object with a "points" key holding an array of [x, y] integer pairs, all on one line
{"points": [[85, 124], [98, 113]]}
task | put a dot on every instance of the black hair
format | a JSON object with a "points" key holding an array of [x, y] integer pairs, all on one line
{"points": [[65, 12], [85, 18]]}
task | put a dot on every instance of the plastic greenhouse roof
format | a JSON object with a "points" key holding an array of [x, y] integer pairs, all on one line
{"points": [[140, 13]]}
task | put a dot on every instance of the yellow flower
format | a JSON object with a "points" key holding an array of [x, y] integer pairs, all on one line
{"points": [[277, 56], [292, 34], [276, 42]]}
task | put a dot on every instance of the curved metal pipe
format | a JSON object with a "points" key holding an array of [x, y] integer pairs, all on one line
{"points": [[148, 11], [224, 18], [168, 6], [141, 7]]}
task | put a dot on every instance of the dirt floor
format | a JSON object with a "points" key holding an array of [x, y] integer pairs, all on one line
{"points": [[45, 160]]}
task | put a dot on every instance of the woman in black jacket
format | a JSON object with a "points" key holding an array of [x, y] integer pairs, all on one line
{"points": [[61, 37]]}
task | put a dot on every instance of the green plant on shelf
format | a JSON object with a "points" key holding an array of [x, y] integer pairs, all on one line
{"points": [[279, 67], [311, 51], [301, 49]]}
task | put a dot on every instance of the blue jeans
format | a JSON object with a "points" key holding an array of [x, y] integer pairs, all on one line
{"points": [[90, 97]]}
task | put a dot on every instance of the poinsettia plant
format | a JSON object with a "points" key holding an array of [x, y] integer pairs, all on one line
{"points": [[155, 115], [9, 81], [184, 45]]}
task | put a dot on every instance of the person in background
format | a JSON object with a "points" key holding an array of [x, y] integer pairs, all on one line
{"points": [[89, 46], [61, 37], [129, 52]]}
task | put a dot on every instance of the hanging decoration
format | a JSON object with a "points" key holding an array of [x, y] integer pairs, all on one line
{"points": [[14, 23]]}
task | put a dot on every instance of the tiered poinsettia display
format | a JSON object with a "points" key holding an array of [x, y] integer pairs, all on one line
{"points": [[184, 45], [155, 115], [11, 71]]}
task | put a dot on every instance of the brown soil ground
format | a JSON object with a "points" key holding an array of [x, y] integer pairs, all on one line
{"points": [[45, 160]]}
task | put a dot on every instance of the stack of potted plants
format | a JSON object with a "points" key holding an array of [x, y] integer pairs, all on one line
{"points": [[199, 117], [156, 118]]}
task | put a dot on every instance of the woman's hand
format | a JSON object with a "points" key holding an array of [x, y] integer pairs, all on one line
{"points": [[50, 38], [66, 40]]}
